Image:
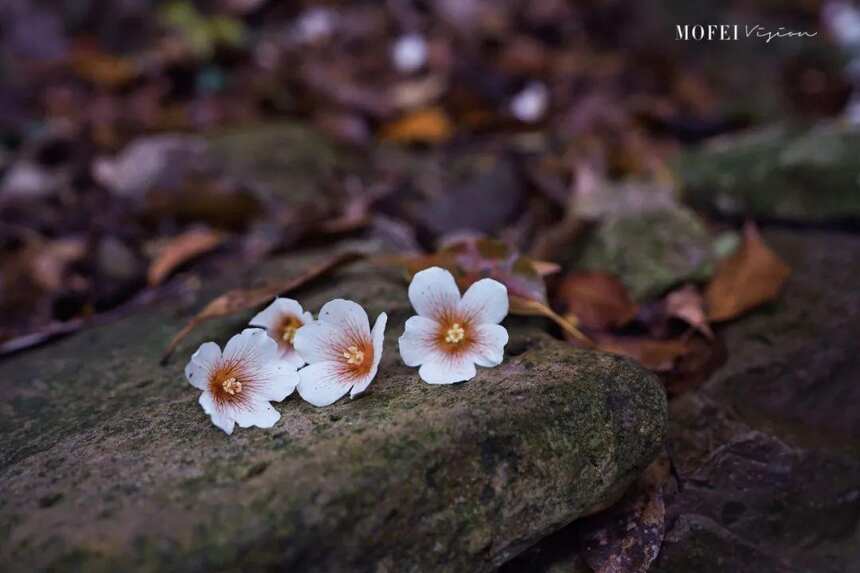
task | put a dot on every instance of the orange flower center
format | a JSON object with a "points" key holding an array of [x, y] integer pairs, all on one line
{"points": [[289, 326], [455, 334], [231, 386], [354, 356], [228, 381]]}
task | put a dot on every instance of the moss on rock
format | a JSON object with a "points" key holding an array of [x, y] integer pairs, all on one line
{"points": [[652, 251], [108, 463], [785, 173]]}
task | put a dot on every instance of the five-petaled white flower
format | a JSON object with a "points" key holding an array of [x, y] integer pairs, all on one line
{"points": [[282, 319], [342, 352], [239, 383], [451, 335]]}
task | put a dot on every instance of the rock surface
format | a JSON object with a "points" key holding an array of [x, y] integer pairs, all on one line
{"points": [[109, 464], [652, 251], [769, 445], [789, 174], [767, 448]]}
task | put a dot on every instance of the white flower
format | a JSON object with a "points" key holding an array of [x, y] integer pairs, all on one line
{"points": [[239, 383], [451, 335], [282, 319], [342, 352]]}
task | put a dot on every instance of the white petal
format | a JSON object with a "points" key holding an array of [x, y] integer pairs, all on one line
{"points": [[321, 383], [443, 370], [289, 354], [490, 348], [433, 292], [271, 316], [260, 414], [202, 362], [347, 315], [318, 342], [275, 380], [416, 343], [251, 346], [378, 337], [220, 418], [485, 301]]}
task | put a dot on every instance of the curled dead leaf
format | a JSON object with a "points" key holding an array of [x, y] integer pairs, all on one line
{"points": [[597, 299], [181, 249], [429, 125], [687, 304], [238, 300], [752, 276]]}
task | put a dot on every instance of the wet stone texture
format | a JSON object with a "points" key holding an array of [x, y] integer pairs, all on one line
{"points": [[769, 446], [108, 463]]}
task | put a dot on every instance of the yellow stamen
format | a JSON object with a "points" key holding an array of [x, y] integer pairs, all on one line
{"points": [[455, 334], [232, 386], [289, 334], [353, 355]]}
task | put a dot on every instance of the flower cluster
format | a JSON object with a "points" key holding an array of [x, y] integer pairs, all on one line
{"points": [[338, 352]]}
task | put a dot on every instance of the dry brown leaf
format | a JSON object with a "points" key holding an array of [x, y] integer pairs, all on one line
{"points": [[526, 307], [598, 300], [656, 355], [103, 69], [430, 125], [687, 304], [181, 249], [545, 268], [238, 300], [752, 276]]}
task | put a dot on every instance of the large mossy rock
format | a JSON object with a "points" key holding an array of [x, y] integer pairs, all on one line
{"points": [[790, 174], [109, 464]]}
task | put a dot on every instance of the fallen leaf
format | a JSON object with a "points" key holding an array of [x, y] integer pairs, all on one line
{"points": [[687, 304], [545, 268], [598, 300], [627, 537], [526, 307], [429, 125], [691, 369], [102, 69], [181, 249], [656, 355], [752, 276], [238, 300], [50, 260], [160, 161]]}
